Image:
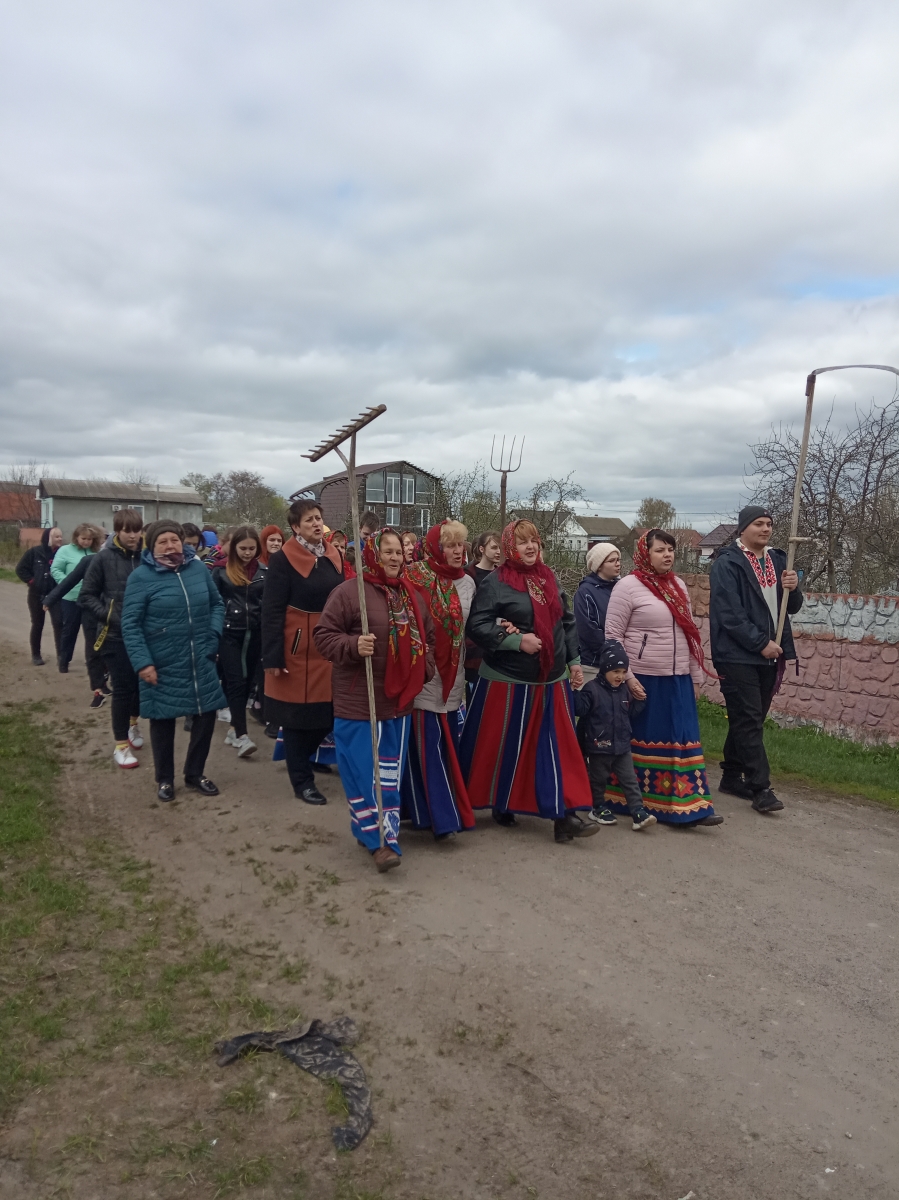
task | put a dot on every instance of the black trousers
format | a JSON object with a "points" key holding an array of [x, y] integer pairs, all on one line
{"points": [[162, 739], [601, 766], [36, 611], [71, 623], [96, 668], [239, 651], [299, 744], [125, 687], [747, 692]]}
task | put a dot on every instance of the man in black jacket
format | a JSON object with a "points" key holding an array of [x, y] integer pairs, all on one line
{"points": [[33, 568], [747, 583], [102, 595]]}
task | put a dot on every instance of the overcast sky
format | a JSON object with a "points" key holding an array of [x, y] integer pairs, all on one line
{"points": [[627, 230]]}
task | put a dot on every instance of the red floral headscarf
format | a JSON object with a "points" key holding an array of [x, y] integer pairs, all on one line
{"points": [[540, 584], [406, 654], [672, 592], [434, 579]]}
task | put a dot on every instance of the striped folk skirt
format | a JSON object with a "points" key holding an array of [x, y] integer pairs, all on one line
{"points": [[519, 751], [667, 752], [352, 740], [434, 795]]}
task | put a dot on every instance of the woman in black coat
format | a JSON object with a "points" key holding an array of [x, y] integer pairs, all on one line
{"points": [[33, 568], [241, 584]]}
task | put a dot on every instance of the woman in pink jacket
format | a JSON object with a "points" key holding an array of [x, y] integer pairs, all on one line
{"points": [[649, 613]]}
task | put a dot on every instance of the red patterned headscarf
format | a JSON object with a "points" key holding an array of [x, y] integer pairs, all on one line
{"points": [[434, 579], [406, 653], [540, 584], [671, 592]]}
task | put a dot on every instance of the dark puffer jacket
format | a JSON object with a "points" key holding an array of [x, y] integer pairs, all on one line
{"points": [[740, 622], [243, 602], [591, 602], [103, 590], [172, 620], [605, 717], [495, 601], [33, 567]]}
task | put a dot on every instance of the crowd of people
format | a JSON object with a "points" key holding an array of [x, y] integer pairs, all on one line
{"points": [[490, 689]]}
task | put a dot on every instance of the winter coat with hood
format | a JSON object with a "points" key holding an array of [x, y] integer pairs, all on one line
{"points": [[605, 717], [740, 621], [645, 626], [172, 620], [33, 567], [591, 602], [103, 591]]}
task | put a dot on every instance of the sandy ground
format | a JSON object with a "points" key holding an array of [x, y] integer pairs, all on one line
{"points": [[711, 1011]]}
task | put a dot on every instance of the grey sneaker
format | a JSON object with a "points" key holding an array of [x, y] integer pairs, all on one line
{"points": [[602, 816]]}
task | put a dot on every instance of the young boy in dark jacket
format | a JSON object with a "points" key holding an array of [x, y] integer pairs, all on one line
{"points": [[604, 730]]}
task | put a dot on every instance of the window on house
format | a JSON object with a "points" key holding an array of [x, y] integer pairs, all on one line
{"points": [[424, 489], [393, 514], [408, 489], [424, 518], [393, 488], [374, 488]]}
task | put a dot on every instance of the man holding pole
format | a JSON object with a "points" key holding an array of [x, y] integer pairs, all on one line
{"points": [[748, 582]]}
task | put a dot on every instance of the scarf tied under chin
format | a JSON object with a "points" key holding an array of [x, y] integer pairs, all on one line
{"points": [[406, 653], [434, 578]]}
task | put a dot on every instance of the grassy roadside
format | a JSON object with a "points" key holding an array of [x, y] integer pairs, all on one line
{"points": [[806, 754], [8, 575], [110, 1002]]}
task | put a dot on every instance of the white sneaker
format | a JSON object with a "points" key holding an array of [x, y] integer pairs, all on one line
{"points": [[244, 746], [134, 738], [230, 739], [224, 714], [123, 757]]}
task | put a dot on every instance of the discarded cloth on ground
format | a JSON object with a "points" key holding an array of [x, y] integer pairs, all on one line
{"points": [[317, 1047]]}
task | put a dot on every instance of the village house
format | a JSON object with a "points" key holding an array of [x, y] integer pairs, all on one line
{"points": [[401, 494], [69, 502]]}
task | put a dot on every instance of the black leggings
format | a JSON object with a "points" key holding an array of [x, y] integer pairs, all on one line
{"points": [[36, 610], [162, 739], [125, 688], [299, 746], [238, 657], [74, 617]]}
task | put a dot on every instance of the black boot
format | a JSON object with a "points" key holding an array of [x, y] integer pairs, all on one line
{"points": [[63, 665], [561, 832]]}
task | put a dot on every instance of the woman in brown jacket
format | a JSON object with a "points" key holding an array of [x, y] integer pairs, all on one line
{"points": [[300, 578], [401, 647]]}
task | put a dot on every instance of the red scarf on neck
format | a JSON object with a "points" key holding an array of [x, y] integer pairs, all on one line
{"points": [[671, 592], [406, 652], [540, 584], [434, 579]]}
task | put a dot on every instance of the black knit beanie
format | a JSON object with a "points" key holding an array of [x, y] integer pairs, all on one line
{"points": [[612, 656], [155, 528], [750, 513]]}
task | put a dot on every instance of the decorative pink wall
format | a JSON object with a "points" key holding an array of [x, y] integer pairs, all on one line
{"points": [[848, 649]]}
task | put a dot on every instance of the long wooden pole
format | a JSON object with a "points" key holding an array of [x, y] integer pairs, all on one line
{"points": [[350, 464], [797, 498]]}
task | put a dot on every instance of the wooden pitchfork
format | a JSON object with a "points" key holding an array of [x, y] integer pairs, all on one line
{"points": [[800, 471], [334, 443]]}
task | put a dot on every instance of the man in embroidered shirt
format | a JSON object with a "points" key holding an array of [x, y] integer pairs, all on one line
{"points": [[747, 583]]}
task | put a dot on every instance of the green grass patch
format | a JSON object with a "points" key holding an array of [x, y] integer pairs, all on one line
{"points": [[8, 575], [819, 759], [110, 1003]]}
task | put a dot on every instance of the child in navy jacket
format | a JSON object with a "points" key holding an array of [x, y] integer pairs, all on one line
{"points": [[604, 729]]}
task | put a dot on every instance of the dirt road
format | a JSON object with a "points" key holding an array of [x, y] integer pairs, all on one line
{"points": [[645, 1015]]}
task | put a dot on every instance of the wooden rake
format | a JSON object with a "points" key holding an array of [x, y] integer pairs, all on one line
{"points": [[348, 432]]}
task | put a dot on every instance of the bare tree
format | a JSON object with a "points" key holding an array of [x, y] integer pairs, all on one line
{"points": [[850, 498], [137, 475], [468, 496], [238, 498]]}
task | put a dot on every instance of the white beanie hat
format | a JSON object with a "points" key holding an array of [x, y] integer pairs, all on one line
{"points": [[598, 554]]}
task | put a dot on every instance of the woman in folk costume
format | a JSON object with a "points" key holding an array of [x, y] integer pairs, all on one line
{"points": [[434, 792], [649, 613], [301, 576], [519, 750], [401, 646]]}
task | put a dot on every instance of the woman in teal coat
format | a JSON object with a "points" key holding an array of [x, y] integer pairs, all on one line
{"points": [[172, 619]]}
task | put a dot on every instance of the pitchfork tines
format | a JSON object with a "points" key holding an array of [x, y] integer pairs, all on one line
{"points": [[504, 465]]}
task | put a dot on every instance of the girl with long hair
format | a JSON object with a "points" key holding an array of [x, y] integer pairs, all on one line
{"points": [[240, 584]]}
